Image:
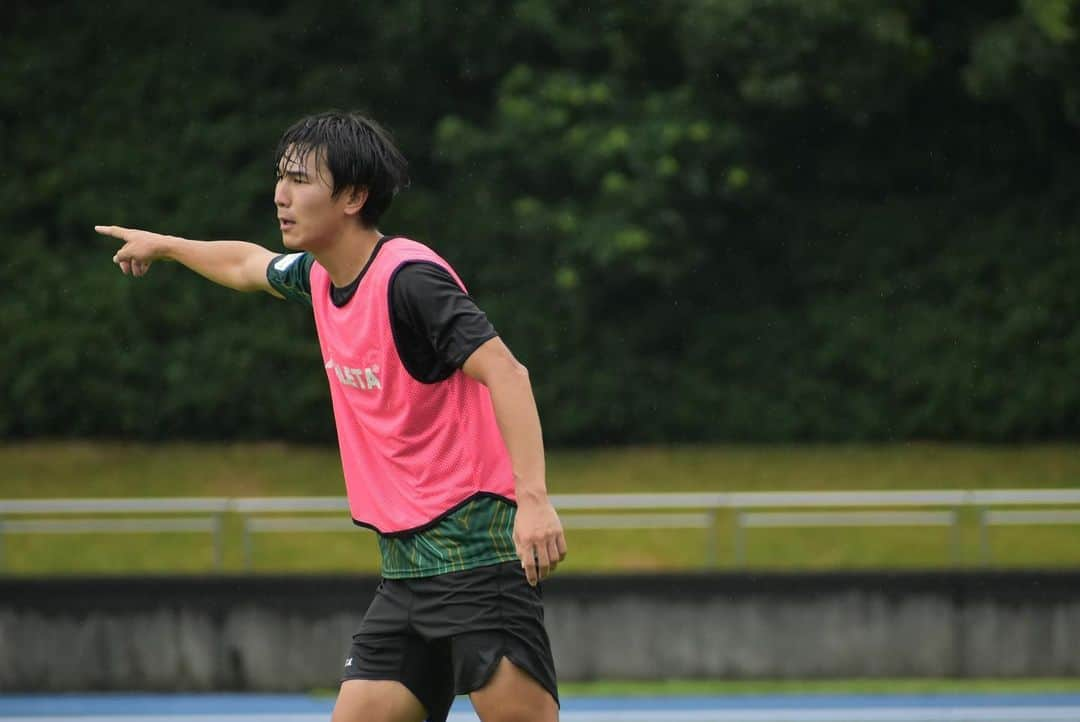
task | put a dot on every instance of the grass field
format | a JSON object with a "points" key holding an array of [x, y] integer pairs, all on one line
{"points": [[672, 688], [65, 470]]}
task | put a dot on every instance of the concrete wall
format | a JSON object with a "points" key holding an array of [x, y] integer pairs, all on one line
{"points": [[291, 633]]}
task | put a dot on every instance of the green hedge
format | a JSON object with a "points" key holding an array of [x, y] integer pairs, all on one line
{"points": [[699, 220]]}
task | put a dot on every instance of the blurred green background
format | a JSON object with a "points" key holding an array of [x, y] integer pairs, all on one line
{"points": [[699, 221]]}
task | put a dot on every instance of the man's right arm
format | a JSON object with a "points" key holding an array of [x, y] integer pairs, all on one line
{"points": [[234, 264]]}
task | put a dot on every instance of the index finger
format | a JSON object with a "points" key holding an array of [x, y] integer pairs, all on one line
{"points": [[114, 231]]}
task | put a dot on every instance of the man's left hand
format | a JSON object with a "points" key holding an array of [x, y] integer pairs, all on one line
{"points": [[538, 536]]}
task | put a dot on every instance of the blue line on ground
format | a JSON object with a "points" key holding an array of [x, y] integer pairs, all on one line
{"points": [[159, 704]]}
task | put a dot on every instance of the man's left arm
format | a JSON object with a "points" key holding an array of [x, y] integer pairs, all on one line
{"points": [[538, 533]]}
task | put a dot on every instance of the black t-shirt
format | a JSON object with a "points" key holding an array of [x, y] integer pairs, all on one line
{"points": [[436, 325]]}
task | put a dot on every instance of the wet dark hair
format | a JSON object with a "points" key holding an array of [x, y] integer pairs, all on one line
{"points": [[357, 151]]}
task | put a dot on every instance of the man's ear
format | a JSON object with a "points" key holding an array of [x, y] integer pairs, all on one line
{"points": [[355, 198]]}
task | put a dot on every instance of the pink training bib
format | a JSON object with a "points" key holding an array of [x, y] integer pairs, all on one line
{"points": [[411, 451]]}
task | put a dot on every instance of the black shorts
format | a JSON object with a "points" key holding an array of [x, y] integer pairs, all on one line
{"points": [[443, 636]]}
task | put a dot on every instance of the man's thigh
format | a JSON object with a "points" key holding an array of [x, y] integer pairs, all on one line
{"points": [[368, 700], [513, 695]]}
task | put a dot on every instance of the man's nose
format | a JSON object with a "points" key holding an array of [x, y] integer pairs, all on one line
{"points": [[281, 198]]}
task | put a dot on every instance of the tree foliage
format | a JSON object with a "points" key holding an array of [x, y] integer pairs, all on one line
{"points": [[708, 220]]}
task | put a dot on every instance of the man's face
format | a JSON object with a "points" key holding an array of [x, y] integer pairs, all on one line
{"points": [[309, 216]]}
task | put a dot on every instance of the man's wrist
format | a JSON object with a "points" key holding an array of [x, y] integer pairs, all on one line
{"points": [[531, 494], [168, 248]]}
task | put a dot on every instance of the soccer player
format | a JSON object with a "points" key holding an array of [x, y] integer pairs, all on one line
{"points": [[437, 426]]}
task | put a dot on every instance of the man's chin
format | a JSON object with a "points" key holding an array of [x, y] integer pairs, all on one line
{"points": [[292, 242], [310, 243]]}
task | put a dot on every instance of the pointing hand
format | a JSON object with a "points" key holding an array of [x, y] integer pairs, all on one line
{"points": [[140, 248]]}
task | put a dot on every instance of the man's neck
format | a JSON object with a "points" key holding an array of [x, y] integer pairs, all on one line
{"points": [[345, 259]]}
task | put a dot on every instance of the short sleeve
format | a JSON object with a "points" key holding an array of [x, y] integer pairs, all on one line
{"points": [[436, 319], [290, 275]]}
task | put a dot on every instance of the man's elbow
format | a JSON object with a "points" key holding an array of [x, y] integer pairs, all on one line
{"points": [[516, 366], [508, 370], [496, 366]]}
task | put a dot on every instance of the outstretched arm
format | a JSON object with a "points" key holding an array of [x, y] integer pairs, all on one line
{"points": [[538, 533], [234, 264]]}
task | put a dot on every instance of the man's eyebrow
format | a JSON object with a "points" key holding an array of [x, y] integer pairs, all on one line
{"points": [[298, 172]]}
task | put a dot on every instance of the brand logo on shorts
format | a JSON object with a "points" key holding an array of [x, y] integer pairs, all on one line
{"points": [[348, 662], [366, 379]]}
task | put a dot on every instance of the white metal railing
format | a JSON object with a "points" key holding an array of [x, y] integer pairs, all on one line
{"points": [[570, 502], [697, 510]]}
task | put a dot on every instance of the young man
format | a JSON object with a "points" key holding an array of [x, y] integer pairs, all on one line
{"points": [[438, 429]]}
